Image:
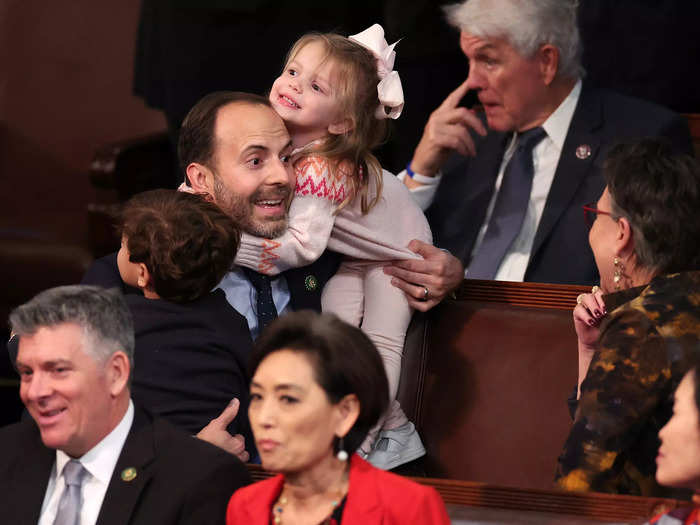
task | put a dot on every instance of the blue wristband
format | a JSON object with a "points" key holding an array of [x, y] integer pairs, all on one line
{"points": [[409, 171]]}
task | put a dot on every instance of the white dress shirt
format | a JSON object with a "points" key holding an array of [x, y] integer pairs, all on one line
{"points": [[545, 157], [99, 463]]}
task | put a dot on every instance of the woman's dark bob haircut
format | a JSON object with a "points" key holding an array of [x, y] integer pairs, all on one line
{"points": [[658, 190], [343, 358]]}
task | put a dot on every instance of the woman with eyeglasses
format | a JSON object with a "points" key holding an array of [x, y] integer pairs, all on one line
{"points": [[638, 330]]}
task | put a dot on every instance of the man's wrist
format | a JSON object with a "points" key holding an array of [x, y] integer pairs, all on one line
{"points": [[416, 169], [419, 177], [409, 171]]}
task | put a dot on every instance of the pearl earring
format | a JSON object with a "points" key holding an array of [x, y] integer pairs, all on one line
{"points": [[342, 454]]}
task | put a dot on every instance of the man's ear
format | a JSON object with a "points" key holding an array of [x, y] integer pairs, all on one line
{"points": [[117, 370], [548, 58], [341, 127], [201, 178]]}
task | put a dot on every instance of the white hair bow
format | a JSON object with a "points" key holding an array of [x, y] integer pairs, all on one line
{"points": [[389, 88]]}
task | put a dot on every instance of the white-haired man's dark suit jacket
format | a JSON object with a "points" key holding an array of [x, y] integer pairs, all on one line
{"points": [[560, 253]]}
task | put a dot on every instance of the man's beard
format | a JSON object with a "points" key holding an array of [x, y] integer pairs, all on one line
{"points": [[242, 210]]}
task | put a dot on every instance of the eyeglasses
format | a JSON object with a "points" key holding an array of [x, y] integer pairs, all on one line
{"points": [[590, 212]]}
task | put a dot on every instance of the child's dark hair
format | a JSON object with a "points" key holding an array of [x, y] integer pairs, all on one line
{"points": [[187, 243], [356, 68]]}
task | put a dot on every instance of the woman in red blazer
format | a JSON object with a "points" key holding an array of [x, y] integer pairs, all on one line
{"points": [[318, 387]]}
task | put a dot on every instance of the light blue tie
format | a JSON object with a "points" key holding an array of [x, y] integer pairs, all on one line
{"points": [[69, 504], [510, 208]]}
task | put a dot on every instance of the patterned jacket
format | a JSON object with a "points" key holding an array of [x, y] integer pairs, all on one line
{"points": [[644, 348]]}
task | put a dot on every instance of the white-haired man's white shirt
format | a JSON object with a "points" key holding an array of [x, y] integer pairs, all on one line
{"points": [[545, 158]]}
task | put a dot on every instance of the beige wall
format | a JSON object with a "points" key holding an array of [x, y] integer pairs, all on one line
{"points": [[65, 89]]}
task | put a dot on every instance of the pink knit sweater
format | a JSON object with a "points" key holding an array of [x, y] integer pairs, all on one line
{"points": [[380, 235]]}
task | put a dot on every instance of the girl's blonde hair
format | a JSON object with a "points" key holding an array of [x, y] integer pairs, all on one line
{"points": [[356, 81]]}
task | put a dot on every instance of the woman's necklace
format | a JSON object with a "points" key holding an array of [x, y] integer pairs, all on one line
{"points": [[278, 507]]}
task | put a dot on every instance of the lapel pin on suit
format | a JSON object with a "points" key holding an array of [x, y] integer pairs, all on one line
{"points": [[583, 151], [310, 283], [129, 474]]}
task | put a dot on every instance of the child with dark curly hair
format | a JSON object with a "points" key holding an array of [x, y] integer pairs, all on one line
{"points": [[191, 345]]}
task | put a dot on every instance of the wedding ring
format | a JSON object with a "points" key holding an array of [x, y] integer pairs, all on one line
{"points": [[595, 289], [426, 293], [580, 297]]}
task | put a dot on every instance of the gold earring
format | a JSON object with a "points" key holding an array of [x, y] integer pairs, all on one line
{"points": [[619, 268]]}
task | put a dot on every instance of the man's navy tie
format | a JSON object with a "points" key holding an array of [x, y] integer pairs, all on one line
{"points": [[266, 310], [510, 208], [69, 505]]}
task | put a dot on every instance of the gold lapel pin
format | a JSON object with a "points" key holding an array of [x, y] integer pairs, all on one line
{"points": [[311, 283], [129, 474]]}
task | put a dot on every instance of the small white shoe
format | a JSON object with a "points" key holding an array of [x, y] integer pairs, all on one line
{"points": [[395, 447]]}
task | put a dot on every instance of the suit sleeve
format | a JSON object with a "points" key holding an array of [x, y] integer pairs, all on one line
{"points": [[624, 384], [311, 219], [678, 134], [206, 504], [104, 272]]}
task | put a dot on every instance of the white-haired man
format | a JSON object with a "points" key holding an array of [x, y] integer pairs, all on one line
{"points": [[508, 203]]}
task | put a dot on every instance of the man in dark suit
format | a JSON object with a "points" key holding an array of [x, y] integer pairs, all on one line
{"points": [[510, 209], [88, 455], [235, 150]]}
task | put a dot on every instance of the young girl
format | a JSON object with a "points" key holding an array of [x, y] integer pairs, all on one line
{"points": [[335, 95]]}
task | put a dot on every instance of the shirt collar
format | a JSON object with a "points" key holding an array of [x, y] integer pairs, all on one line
{"points": [[557, 124], [100, 460]]}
